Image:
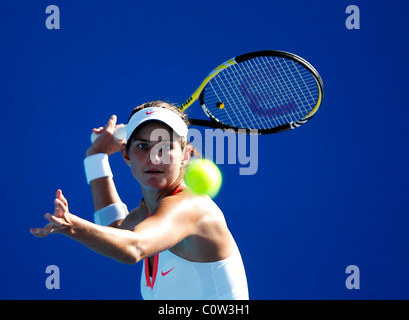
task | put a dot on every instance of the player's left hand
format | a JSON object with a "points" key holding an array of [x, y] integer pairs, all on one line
{"points": [[61, 221]]}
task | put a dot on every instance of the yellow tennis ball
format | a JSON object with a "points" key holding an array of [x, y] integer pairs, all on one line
{"points": [[202, 176]]}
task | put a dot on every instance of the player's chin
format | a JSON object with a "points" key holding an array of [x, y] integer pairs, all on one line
{"points": [[154, 177], [155, 181]]}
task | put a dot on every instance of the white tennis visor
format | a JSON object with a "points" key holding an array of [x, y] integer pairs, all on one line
{"points": [[160, 114]]}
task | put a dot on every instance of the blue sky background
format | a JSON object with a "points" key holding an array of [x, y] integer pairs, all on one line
{"points": [[329, 194]]}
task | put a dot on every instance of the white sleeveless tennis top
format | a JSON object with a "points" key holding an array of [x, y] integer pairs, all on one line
{"points": [[175, 278]]}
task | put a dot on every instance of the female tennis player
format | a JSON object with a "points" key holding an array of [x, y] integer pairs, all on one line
{"points": [[182, 238]]}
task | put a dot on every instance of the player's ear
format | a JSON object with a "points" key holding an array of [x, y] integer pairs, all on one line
{"points": [[125, 154], [187, 152]]}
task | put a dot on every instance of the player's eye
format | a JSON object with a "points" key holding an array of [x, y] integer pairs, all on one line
{"points": [[142, 146]]}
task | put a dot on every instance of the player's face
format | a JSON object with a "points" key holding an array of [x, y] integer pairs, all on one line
{"points": [[155, 155]]}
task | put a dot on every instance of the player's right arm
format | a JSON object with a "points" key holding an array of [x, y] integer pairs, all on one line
{"points": [[103, 189]]}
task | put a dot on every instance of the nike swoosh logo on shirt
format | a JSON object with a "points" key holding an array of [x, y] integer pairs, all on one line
{"points": [[165, 273]]}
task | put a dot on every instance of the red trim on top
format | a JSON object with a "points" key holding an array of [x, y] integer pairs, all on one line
{"points": [[150, 283], [150, 280], [177, 190]]}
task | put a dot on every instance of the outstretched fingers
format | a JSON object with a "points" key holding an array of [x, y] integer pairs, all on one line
{"points": [[57, 221], [54, 220], [43, 232], [60, 207], [61, 198]]}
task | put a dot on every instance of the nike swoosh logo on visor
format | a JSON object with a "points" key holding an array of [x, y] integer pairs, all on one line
{"points": [[150, 112], [165, 273]]}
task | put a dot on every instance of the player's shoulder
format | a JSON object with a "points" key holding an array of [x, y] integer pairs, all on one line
{"points": [[189, 203], [208, 218]]}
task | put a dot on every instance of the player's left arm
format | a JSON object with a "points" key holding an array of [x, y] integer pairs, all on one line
{"points": [[167, 226]]}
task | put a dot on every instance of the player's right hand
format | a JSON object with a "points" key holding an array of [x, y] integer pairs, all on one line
{"points": [[106, 142]]}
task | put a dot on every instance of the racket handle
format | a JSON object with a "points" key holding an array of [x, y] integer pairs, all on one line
{"points": [[120, 134]]}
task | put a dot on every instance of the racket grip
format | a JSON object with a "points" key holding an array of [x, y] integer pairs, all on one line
{"points": [[120, 134]]}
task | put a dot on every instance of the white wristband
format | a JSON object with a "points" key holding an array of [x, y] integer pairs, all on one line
{"points": [[111, 213], [97, 166]]}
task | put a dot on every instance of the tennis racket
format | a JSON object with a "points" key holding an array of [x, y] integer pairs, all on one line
{"points": [[268, 91], [258, 92]]}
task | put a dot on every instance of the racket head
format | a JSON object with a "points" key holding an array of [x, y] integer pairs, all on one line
{"points": [[264, 91]]}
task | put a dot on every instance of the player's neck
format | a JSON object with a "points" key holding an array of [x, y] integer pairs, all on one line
{"points": [[151, 199]]}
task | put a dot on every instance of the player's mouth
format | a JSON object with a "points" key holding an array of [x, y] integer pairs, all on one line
{"points": [[153, 171]]}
